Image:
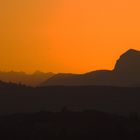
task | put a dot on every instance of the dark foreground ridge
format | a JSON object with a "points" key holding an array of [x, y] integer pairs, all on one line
{"points": [[119, 100], [117, 118], [67, 125]]}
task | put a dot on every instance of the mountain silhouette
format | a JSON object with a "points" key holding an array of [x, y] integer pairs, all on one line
{"points": [[23, 78], [129, 62], [125, 73]]}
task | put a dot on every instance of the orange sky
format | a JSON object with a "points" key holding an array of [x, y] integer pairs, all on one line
{"points": [[66, 35]]}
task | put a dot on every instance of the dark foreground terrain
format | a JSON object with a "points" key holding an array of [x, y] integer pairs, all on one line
{"points": [[68, 125], [61, 112], [20, 99]]}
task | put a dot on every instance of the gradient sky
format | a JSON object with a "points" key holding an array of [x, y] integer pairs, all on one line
{"points": [[66, 35]]}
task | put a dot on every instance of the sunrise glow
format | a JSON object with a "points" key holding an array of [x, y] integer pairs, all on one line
{"points": [[66, 35]]}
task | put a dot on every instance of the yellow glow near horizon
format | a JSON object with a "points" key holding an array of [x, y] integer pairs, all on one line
{"points": [[66, 35]]}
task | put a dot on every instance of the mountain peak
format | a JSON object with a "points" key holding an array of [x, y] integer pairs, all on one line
{"points": [[131, 52], [129, 62]]}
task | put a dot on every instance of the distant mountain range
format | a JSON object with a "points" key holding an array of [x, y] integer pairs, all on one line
{"points": [[27, 79], [125, 73]]}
